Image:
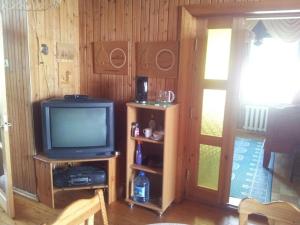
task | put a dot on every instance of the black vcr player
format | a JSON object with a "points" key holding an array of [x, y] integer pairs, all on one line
{"points": [[78, 176]]}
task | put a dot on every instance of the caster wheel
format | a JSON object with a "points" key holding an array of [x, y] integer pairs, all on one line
{"points": [[160, 214], [131, 205]]}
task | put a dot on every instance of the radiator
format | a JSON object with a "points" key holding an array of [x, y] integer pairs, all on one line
{"points": [[256, 118]]}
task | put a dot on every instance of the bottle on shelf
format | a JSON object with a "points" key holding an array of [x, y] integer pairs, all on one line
{"points": [[152, 123], [141, 188], [138, 154], [136, 130]]}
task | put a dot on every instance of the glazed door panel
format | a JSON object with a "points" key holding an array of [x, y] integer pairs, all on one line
{"points": [[214, 94]]}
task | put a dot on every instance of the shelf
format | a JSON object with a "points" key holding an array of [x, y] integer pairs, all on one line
{"points": [[55, 189], [147, 169], [149, 205], [42, 157], [151, 105], [144, 139]]}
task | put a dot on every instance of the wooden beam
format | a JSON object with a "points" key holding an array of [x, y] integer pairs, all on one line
{"points": [[270, 8]]}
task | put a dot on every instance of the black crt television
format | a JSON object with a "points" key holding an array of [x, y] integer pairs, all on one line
{"points": [[78, 128]]}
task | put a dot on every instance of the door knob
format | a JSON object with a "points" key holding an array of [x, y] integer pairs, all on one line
{"points": [[5, 125]]}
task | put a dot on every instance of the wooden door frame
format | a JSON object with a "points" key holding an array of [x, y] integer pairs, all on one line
{"points": [[188, 19], [6, 199]]}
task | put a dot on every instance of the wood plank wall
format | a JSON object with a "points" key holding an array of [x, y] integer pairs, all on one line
{"points": [[133, 20], [32, 77], [51, 27], [129, 20], [19, 99]]}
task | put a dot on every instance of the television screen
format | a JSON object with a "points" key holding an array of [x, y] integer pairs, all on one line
{"points": [[75, 128], [78, 127]]}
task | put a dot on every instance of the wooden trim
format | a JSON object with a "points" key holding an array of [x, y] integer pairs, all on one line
{"points": [[44, 158], [211, 140], [187, 37], [26, 194], [170, 156], [244, 8]]}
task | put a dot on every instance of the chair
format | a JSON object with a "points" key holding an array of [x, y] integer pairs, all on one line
{"points": [[283, 131], [82, 211], [277, 212]]}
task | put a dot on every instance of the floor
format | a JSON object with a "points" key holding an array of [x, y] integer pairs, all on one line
{"points": [[33, 213], [282, 188]]}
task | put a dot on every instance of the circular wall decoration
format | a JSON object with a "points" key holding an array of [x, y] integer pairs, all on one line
{"points": [[117, 58], [165, 59]]}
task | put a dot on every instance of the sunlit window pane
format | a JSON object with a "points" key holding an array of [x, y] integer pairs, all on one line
{"points": [[217, 54], [209, 166], [271, 75], [213, 112]]}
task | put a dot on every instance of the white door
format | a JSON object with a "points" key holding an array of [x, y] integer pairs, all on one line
{"points": [[6, 188]]}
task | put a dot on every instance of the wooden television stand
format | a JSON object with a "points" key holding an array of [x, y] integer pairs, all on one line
{"points": [[44, 174]]}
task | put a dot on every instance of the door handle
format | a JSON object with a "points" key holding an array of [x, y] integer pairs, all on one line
{"points": [[5, 125]]}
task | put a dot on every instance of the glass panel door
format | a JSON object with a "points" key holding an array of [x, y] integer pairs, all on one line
{"points": [[212, 110]]}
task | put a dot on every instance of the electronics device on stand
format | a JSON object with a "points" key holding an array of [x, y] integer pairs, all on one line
{"points": [[77, 126], [141, 89], [78, 176]]}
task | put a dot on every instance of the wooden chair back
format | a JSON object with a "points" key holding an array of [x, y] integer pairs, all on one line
{"points": [[82, 211], [276, 212]]}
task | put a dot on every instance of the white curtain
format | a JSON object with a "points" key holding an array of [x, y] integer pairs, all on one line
{"points": [[287, 30]]}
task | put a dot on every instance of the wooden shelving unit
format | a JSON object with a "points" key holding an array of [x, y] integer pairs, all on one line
{"points": [[166, 148], [44, 172]]}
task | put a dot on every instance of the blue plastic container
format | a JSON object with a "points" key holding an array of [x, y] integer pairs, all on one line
{"points": [[141, 188]]}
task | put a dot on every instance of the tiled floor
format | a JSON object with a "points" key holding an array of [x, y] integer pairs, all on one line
{"points": [[282, 188]]}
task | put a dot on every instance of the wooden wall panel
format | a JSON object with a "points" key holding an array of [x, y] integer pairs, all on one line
{"points": [[19, 99], [31, 81], [54, 27], [127, 20], [33, 77]]}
